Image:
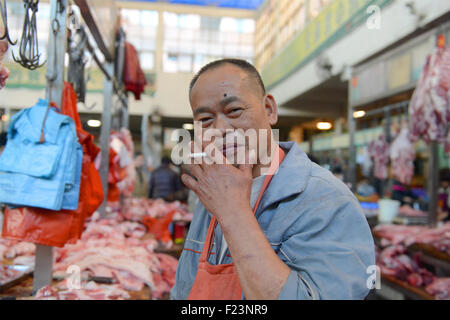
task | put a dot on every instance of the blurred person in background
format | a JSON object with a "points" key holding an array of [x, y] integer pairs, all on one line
{"points": [[338, 172], [403, 193], [444, 194], [365, 189], [164, 182], [3, 138]]}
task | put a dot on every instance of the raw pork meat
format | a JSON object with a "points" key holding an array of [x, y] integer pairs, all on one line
{"points": [[136, 209], [430, 105], [131, 266], [407, 211], [21, 249], [10, 249], [3, 249], [403, 154], [379, 152], [165, 280], [113, 248], [440, 288], [396, 234], [439, 238], [394, 261], [4, 72], [47, 293], [8, 274], [89, 291]]}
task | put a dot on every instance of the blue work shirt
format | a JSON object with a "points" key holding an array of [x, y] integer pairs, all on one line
{"points": [[315, 225]]}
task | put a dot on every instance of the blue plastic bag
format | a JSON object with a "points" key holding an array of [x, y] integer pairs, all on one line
{"points": [[39, 174]]}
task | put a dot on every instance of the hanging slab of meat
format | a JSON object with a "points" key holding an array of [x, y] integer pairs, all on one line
{"points": [[4, 72], [379, 152], [440, 288], [403, 154], [430, 105]]}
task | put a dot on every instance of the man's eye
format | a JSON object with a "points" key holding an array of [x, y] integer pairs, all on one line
{"points": [[235, 110], [205, 119]]}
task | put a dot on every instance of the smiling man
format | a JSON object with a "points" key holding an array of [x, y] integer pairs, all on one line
{"points": [[294, 233]]}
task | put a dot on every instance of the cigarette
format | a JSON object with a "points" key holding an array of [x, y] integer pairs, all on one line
{"points": [[197, 155]]}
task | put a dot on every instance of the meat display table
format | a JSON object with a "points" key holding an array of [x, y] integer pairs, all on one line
{"points": [[405, 289], [24, 290], [440, 260]]}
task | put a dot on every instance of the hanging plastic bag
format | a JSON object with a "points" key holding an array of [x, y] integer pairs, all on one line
{"points": [[160, 227], [58, 228], [41, 155], [39, 226], [92, 190]]}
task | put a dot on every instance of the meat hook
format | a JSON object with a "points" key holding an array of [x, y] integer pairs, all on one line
{"points": [[4, 17]]}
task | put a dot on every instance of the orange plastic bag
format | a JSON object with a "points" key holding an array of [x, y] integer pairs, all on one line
{"points": [[50, 228], [91, 195], [58, 228], [160, 227]]}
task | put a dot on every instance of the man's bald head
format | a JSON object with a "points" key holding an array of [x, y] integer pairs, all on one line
{"points": [[248, 68]]}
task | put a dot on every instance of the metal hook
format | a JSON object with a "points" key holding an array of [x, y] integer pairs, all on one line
{"points": [[89, 108], [29, 47], [55, 29], [4, 17]]}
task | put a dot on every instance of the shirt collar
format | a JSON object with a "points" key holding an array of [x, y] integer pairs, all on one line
{"points": [[291, 178]]}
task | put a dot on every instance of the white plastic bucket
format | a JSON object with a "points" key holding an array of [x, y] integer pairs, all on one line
{"points": [[387, 210]]}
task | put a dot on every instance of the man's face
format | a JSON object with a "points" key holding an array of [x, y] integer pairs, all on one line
{"points": [[139, 161], [227, 98]]}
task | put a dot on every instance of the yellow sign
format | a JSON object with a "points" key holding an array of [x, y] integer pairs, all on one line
{"points": [[22, 78]]}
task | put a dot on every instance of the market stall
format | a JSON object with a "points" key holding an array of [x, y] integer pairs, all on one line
{"points": [[92, 240], [407, 223]]}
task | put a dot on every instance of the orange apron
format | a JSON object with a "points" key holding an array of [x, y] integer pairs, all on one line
{"points": [[221, 282]]}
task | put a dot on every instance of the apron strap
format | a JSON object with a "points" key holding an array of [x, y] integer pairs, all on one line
{"points": [[207, 246], [272, 170]]}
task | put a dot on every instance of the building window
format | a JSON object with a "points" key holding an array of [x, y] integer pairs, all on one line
{"points": [[141, 28], [191, 41]]}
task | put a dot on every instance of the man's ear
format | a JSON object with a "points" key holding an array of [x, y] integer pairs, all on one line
{"points": [[271, 108]]}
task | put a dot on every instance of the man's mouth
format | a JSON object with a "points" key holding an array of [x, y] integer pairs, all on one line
{"points": [[231, 149]]}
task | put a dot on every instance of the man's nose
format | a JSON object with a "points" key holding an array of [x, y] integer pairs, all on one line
{"points": [[222, 124]]}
